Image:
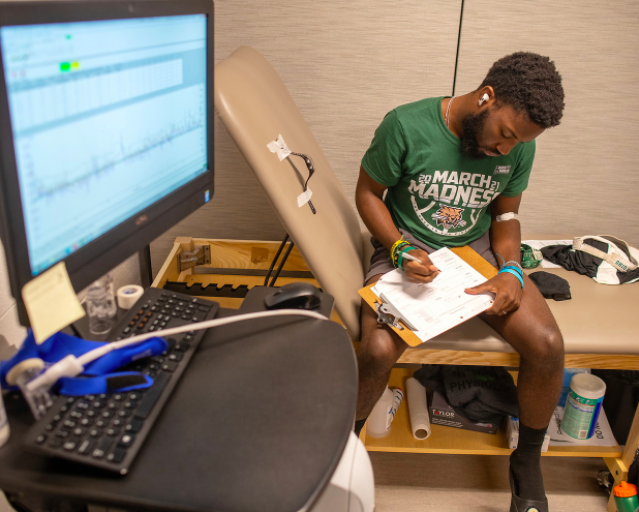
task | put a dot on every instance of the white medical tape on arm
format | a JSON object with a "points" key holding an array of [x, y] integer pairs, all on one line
{"points": [[507, 216]]}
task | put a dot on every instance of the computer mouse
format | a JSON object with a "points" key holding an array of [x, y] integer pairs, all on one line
{"points": [[294, 296]]}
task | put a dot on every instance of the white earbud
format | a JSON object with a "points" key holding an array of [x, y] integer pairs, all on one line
{"points": [[483, 99]]}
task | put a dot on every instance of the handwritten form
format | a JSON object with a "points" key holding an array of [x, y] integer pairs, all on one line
{"points": [[440, 305]]}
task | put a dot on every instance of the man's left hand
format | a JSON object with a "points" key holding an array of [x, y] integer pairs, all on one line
{"points": [[507, 290]]}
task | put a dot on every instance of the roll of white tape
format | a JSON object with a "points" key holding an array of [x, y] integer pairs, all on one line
{"points": [[128, 295]]}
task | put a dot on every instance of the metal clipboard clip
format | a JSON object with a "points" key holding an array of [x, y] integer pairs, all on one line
{"points": [[388, 314]]}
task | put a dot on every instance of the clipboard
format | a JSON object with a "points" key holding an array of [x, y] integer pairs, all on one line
{"points": [[388, 315]]}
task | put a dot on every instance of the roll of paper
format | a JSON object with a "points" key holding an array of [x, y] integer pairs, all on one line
{"points": [[417, 409], [129, 295]]}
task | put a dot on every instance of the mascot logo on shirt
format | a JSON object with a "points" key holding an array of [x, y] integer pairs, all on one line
{"points": [[448, 216]]}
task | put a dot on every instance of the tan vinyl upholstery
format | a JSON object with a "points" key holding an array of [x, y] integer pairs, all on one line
{"points": [[255, 107]]}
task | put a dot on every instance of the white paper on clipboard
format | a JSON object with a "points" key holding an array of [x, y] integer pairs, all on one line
{"points": [[436, 307]]}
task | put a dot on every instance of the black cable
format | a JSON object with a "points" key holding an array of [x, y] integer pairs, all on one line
{"points": [[461, 17], [311, 170], [279, 269], [277, 255]]}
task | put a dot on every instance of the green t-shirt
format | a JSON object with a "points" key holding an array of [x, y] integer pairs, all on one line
{"points": [[434, 192]]}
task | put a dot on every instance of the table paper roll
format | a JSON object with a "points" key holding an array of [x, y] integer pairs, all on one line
{"points": [[417, 409]]}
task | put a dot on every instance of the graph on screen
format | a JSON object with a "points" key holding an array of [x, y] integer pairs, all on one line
{"points": [[90, 185], [102, 134]]}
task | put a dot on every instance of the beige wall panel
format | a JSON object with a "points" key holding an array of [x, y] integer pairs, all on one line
{"points": [[346, 63], [586, 177]]}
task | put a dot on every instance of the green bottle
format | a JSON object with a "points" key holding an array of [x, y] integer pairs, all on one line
{"points": [[626, 497]]}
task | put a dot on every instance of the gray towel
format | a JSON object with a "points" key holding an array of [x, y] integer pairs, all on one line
{"points": [[479, 393]]}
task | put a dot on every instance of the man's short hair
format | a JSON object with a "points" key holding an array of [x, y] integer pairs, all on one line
{"points": [[530, 83]]}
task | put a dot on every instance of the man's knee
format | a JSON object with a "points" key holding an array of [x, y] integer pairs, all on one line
{"points": [[379, 351], [546, 348]]}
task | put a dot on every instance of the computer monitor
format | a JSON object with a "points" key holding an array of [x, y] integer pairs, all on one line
{"points": [[106, 132]]}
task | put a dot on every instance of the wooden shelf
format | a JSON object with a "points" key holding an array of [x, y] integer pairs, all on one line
{"points": [[452, 440]]}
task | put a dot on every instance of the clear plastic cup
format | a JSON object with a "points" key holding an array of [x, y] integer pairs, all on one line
{"points": [[101, 305]]}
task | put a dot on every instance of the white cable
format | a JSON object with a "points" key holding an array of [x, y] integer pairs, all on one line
{"points": [[66, 367], [71, 366]]}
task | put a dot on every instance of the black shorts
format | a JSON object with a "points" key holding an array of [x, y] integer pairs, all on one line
{"points": [[381, 262]]}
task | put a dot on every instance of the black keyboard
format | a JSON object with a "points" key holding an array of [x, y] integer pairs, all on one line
{"points": [[107, 430]]}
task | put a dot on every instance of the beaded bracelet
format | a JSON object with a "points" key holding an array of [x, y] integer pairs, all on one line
{"points": [[517, 264]]}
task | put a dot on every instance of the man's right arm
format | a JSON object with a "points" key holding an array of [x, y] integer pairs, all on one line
{"points": [[370, 204]]}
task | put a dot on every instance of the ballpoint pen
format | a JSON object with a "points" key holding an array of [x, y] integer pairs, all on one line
{"points": [[408, 256]]}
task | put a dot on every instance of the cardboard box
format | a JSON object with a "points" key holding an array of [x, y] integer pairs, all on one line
{"points": [[443, 414], [513, 435]]}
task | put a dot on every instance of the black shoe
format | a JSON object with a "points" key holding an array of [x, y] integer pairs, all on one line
{"points": [[518, 504]]}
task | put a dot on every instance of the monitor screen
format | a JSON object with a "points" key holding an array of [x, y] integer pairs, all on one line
{"points": [[108, 126], [108, 117]]}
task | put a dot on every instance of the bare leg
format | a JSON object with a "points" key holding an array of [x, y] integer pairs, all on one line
{"points": [[533, 332], [377, 353]]}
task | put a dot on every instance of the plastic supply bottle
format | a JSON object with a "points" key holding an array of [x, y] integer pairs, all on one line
{"points": [[583, 406], [568, 375], [4, 424], [625, 497], [381, 417]]}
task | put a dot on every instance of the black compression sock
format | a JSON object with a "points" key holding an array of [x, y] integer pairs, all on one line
{"points": [[525, 463], [359, 425]]}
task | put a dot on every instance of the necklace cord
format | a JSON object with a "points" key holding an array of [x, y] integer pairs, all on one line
{"points": [[450, 103]]}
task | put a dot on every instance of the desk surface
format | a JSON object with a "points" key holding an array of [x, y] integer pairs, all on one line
{"points": [[258, 422]]}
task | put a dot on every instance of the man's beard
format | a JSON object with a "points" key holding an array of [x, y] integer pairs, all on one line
{"points": [[472, 126]]}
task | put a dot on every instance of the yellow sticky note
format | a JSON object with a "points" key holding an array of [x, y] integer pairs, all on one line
{"points": [[51, 302]]}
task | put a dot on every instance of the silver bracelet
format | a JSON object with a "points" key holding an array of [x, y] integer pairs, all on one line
{"points": [[517, 264]]}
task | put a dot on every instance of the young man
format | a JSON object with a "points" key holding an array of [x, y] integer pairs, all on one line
{"points": [[454, 170]]}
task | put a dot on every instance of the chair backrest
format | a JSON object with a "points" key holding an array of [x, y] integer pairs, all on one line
{"points": [[255, 107]]}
